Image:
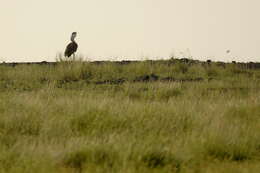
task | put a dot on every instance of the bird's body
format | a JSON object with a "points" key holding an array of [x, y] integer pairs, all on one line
{"points": [[72, 46], [71, 49]]}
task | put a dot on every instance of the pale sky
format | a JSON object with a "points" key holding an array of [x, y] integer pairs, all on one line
{"points": [[36, 30]]}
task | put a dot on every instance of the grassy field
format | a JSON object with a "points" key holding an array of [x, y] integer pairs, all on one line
{"points": [[146, 117]]}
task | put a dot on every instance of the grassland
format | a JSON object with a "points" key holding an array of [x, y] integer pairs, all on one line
{"points": [[150, 116]]}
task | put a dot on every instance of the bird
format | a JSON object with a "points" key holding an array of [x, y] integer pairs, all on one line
{"points": [[72, 46]]}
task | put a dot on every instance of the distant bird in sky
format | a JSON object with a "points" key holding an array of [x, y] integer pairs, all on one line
{"points": [[72, 46], [228, 51]]}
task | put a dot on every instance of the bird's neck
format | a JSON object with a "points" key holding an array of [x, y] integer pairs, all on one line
{"points": [[72, 38]]}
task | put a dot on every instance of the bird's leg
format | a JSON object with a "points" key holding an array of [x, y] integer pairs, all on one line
{"points": [[73, 56]]}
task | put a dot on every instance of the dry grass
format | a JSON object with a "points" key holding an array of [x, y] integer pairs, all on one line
{"points": [[58, 119]]}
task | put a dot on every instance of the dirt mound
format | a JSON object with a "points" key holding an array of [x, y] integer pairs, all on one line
{"points": [[147, 78]]}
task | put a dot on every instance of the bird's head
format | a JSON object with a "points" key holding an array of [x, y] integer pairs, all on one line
{"points": [[73, 36]]}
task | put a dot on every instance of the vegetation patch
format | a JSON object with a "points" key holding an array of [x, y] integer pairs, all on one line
{"points": [[159, 159], [177, 115]]}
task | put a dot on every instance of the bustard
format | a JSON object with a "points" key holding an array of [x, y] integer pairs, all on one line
{"points": [[72, 46]]}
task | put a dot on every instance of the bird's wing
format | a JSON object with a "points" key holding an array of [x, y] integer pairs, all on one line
{"points": [[76, 47]]}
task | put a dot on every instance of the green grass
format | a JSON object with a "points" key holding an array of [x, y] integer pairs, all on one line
{"points": [[87, 117]]}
